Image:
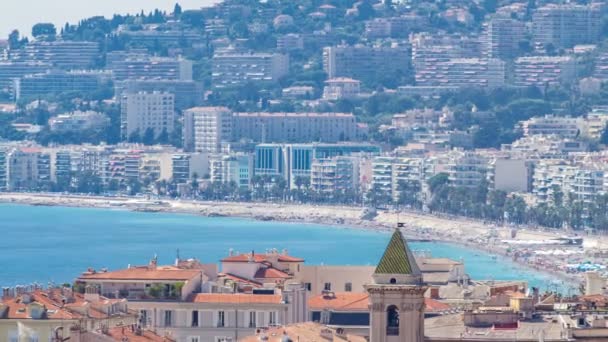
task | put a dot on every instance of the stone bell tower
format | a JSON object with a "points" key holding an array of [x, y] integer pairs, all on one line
{"points": [[396, 295]]}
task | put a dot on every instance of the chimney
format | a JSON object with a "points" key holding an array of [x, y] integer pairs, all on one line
{"points": [[154, 262], [91, 293]]}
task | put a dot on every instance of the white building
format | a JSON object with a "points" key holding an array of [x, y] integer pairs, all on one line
{"points": [[78, 121], [143, 110], [565, 127], [341, 88], [206, 128], [236, 169], [234, 69]]}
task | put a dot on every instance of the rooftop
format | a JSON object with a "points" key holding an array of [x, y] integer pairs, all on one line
{"points": [[303, 332], [167, 273], [235, 298], [397, 258], [351, 301]]}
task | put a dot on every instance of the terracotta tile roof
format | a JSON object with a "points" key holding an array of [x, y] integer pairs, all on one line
{"points": [[235, 298], [270, 273], [351, 301], [144, 273], [120, 333], [303, 332], [260, 258], [240, 279]]}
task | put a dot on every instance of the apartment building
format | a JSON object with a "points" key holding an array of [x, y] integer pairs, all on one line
{"points": [[389, 173], [467, 169], [172, 37], [502, 37], [78, 121], [334, 176], [206, 128], [429, 49], [290, 42], [3, 169], [142, 111], [596, 122], [295, 127], [565, 25], [57, 82], [64, 54], [552, 175], [365, 62], [184, 166], [28, 168], [187, 93], [232, 168], [462, 72], [565, 127], [341, 88], [542, 71], [291, 161], [10, 70], [137, 66], [235, 69]]}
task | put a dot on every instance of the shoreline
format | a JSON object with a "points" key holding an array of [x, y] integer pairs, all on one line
{"points": [[424, 227]]}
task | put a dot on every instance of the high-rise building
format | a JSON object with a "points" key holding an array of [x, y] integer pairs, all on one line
{"points": [[502, 37], [364, 62], [234, 69], [233, 168], [143, 111], [463, 72], [565, 25], [10, 70], [206, 128], [57, 82], [295, 127], [137, 66], [3, 169], [544, 71], [28, 168], [334, 176], [64, 54], [187, 93]]}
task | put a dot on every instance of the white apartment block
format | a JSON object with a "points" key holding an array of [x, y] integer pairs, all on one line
{"points": [[502, 37], [341, 88], [596, 122], [362, 62], [462, 72], [78, 121], [236, 169], [389, 172], [467, 169], [295, 127], [565, 127], [566, 25], [542, 71], [206, 128], [234, 69], [143, 110], [332, 176]]}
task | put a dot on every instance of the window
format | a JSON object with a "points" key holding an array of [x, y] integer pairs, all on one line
{"points": [[392, 321], [195, 318], [193, 339], [308, 286], [168, 318], [272, 319], [327, 287], [252, 319], [220, 319], [348, 287], [143, 318], [223, 339]]}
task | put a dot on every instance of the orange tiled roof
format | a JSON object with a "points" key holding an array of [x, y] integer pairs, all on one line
{"points": [[270, 273], [240, 279], [144, 273], [352, 301], [260, 258], [235, 298], [120, 333]]}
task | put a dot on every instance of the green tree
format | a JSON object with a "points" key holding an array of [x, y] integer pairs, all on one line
{"points": [[148, 138], [44, 29]]}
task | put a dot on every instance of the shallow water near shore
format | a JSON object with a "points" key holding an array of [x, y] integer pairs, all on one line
{"points": [[55, 244]]}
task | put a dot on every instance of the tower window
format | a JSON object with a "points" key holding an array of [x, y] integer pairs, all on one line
{"points": [[393, 281], [392, 325]]}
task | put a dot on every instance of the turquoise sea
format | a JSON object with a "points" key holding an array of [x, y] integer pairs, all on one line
{"points": [[55, 244]]}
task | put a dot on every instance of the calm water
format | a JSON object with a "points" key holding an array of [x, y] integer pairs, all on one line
{"points": [[42, 244]]}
